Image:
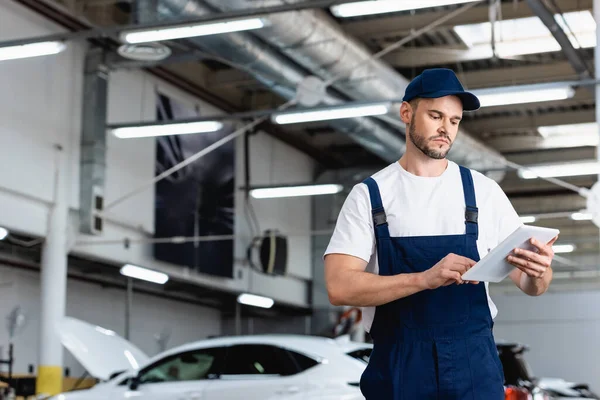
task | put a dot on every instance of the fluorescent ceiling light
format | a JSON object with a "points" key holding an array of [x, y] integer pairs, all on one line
{"points": [[528, 219], [31, 50], [560, 170], [3, 233], [145, 274], [579, 216], [294, 191], [167, 129], [254, 300], [388, 6], [497, 97], [157, 35], [521, 36], [563, 248], [294, 117]]}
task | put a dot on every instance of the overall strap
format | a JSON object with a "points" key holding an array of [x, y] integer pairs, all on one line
{"points": [[471, 212], [379, 218]]}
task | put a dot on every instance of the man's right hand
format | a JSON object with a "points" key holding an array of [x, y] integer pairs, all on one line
{"points": [[448, 271]]}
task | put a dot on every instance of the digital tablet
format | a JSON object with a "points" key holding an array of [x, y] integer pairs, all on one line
{"points": [[494, 267]]}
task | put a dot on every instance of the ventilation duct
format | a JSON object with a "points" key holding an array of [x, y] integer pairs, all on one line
{"points": [[315, 44]]}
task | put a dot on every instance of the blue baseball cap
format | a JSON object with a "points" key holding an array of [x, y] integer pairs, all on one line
{"points": [[440, 82]]}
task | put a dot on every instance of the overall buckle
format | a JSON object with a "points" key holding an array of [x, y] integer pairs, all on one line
{"points": [[379, 218], [471, 214]]}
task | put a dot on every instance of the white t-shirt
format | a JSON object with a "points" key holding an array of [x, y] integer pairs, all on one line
{"points": [[421, 206]]}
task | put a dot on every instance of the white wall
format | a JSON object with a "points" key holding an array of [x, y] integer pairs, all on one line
{"points": [[40, 105], [104, 307], [562, 330]]}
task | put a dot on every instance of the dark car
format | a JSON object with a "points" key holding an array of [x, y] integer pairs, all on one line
{"points": [[520, 379]]}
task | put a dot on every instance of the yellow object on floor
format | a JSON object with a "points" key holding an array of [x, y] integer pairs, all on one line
{"points": [[49, 380]]}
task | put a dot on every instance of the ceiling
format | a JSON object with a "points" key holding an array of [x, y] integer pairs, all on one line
{"points": [[511, 130]]}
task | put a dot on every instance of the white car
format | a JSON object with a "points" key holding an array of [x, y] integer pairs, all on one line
{"points": [[270, 367]]}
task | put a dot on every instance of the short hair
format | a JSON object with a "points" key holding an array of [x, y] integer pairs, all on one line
{"points": [[414, 103]]}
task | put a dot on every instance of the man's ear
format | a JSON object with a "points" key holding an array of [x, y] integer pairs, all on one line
{"points": [[406, 112]]}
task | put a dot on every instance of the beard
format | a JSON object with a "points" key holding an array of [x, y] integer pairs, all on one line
{"points": [[431, 150]]}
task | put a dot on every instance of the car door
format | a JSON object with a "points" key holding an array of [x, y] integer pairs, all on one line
{"points": [[181, 376], [257, 371]]}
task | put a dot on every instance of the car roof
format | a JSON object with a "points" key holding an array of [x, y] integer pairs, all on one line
{"points": [[316, 346]]}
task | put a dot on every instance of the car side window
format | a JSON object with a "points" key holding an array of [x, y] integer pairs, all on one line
{"points": [[303, 362], [258, 359], [189, 366]]}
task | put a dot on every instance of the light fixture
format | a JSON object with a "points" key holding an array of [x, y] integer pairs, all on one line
{"points": [[563, 248], [194, 30], [580, 216], [3, 233], [145, 274], [166, 129], [31, 50], [560, 170], [501, 96], [335, 112], [255, 300], [295, 191], [528, 219], [388, 6]]}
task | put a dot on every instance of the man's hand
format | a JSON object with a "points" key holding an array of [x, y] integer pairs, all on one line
{"points": [[533, 273], [534, 264], [448, 271]]}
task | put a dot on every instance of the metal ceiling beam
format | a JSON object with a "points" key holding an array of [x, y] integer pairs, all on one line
{"points": [[518, 75], [485, 126], [436, 55], [510, 143], [547, 17], [547, 204]]}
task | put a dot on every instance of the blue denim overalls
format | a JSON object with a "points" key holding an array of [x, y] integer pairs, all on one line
{"points": [[435, 344]]}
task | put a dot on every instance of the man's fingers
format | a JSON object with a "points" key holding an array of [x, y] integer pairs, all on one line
{"points": [[453, 275], [550, 243], [529, 267], [544, 249], [535, 257], [466, 261]]}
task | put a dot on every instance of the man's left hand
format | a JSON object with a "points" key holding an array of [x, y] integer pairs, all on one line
{"points": [[534, 264]]}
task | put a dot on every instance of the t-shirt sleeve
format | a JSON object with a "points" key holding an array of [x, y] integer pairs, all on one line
{"points": [[353, 233], [507, 219]]}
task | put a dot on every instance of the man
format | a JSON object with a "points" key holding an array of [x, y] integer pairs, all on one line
{"points": [[402, 241]]}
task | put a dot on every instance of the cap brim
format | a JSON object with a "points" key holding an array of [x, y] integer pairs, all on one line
{"points": [[470, 102]]}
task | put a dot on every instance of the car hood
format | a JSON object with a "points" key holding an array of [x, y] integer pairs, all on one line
{"points": [[100, 351], [561, 387]]}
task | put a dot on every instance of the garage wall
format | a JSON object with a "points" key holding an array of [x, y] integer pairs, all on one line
{"points": [[562, 330], [40, 106], [102, 306]]}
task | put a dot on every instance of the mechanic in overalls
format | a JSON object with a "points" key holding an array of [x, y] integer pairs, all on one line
{"points": [[402, 241]]}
